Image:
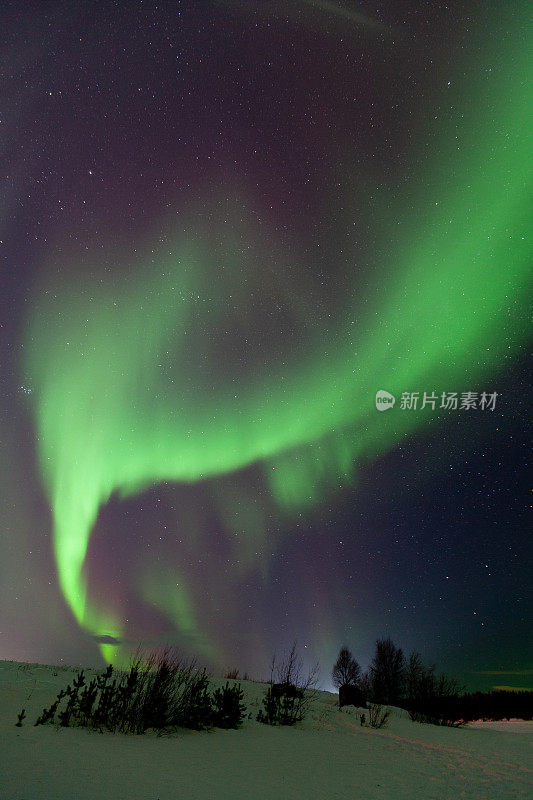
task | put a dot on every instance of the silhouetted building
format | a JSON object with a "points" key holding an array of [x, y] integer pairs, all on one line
{"points": [[351, 696]]}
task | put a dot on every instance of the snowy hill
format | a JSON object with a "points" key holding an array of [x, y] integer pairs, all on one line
{"points": [[329, 755]]}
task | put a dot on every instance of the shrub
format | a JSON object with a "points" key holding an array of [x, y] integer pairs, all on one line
{"points": [[228, 708], [287, 701], [47, 714], [284, 704], [195, 708], [434, 719], [377, 715], [232, 674]]}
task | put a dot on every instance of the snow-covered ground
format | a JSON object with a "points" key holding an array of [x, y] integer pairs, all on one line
{"points": [[508, 726], [327, 757]]}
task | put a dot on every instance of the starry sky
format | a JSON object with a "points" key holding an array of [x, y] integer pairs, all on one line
{"points": [[226, 228]]}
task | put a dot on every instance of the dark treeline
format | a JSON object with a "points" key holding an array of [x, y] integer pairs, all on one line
{"points": [[393, 679], [496, 705]]}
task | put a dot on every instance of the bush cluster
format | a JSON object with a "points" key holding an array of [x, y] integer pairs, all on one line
{"points": [[283, 705], [159, 692], [287, 701]]}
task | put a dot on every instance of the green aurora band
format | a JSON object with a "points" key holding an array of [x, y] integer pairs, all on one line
{"points": [[111, 417]]}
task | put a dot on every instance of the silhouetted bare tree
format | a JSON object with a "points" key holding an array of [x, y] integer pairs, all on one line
{"points": [[365, 683], [346, 671], [387, 672], [430, 697], [413, 676]]}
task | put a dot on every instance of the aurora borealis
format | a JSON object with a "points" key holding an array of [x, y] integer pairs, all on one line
{"points": [[229, 227]]}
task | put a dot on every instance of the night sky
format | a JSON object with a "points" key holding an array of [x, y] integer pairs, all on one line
{"points": [[226, 226]]}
